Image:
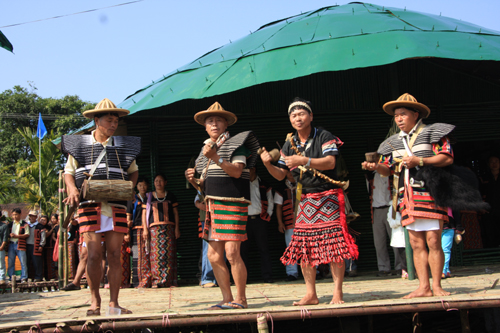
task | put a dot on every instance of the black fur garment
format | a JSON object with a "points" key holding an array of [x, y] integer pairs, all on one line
{"points": [[453, 186]]}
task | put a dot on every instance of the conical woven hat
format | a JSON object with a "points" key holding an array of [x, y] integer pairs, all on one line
{"points": [[105, 106], [407, 100], [215, 110]]}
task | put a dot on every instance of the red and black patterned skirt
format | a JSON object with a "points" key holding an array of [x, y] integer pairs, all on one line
{"points": [[163, 256], [321, 234]]}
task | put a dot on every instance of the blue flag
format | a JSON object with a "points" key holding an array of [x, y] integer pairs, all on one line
{"points": [[41, 130]]}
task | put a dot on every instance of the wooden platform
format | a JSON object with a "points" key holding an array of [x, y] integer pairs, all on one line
{"points": [[471, 287]]}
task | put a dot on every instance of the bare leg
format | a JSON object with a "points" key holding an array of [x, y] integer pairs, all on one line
{"points": [[436, 261], [309, 273], [94, 270], [215, 255], [420, 258], [114, 242], [82, 265], [337, 270], [239, 272]]}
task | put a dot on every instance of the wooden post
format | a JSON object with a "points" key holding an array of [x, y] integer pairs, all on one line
{"points": [[410, 266], [464, 318], [13, 284], [262, 323]]}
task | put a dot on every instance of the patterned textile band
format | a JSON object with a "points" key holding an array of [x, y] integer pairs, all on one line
{"points": [[72, 258], [227, 220], [141, 265], [89, 218], [321, 234], [163, 256], [125, 264], [302, 104], [419, 204]]}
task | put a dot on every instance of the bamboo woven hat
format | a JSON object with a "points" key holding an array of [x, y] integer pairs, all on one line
{"points": [[105, 106], [215, 110], [407, 100]]}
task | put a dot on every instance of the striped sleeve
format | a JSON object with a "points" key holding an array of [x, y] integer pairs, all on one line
{"points": [[330, 144]]}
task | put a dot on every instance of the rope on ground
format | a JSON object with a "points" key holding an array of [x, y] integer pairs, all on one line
{"points": [[447, 307], [304, 312], [165, 322], [267, 299]]}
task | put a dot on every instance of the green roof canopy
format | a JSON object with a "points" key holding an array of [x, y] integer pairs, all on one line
{"points": [[333, 38], [4, 42]]}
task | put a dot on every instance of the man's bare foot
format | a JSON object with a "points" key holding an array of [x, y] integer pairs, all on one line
{"points": [[419, 293], [218, 306], [438, 291], [338, 298], [307, 300]]}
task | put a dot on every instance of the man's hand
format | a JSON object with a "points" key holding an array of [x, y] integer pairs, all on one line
{"points": [[13, 235], [210, 151], [189, 174], [265, 157], [145, 235], [177, 233], [369, 166], [281, 227], [73, 198], [295, 160]]}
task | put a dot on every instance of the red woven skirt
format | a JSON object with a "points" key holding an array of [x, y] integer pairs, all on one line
{"points": [[321, 234]]}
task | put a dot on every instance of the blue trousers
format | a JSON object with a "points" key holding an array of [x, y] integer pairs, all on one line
{"points": [[2, 265], [13, 252], [446, 244], [207, 273]]}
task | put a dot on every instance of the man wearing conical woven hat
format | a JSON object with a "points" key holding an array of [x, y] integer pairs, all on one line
{"points": [[104, 157], [224, 164], [403, 154]]}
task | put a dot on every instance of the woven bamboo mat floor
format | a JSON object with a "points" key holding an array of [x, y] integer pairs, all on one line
{"points": [[22, 310]]}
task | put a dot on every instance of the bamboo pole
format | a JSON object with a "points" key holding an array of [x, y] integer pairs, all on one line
{"points": [[65, 249], [126, 323], [60, 268]]}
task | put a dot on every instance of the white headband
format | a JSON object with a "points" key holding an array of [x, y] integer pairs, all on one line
{"points": [[307, 107]]}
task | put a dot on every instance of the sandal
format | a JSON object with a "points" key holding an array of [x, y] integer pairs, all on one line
{"points": [[71, 286], [230, 306], [94, 312]]}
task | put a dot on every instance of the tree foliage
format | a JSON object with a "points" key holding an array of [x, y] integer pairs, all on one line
{"points": [[19, 108], [46, 195], [19, 152]]}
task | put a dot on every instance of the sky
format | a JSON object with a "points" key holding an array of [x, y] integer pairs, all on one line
{"points": [[113, 52]]}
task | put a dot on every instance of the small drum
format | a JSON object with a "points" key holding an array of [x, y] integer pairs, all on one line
{"points": [[108, 190], [372, 157]]}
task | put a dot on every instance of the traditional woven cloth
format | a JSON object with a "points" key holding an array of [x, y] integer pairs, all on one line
{"points": [[163, 256], [423, 144], [81, 147], [418, 203], [321, 234], [227, 220], [218, 183], [90, 217], [72, 258], [141, 265], [125, 263], [472, 239]]}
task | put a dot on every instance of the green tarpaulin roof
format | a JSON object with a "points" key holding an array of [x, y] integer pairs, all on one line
{"points": [[333, 38], [4, 42]]}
